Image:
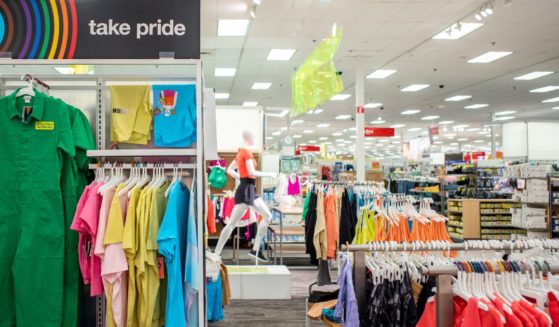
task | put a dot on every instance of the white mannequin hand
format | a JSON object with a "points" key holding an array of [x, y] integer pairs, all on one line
{"points": [[272, 175]]}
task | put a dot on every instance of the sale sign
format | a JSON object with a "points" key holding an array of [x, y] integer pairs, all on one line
{"points": [[379, 132]]}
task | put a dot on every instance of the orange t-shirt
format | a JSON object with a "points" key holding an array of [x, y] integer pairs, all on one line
{"points": [[242, 156]]}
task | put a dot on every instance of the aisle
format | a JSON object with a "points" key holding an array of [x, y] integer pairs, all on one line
{"points": [[274, 313]]}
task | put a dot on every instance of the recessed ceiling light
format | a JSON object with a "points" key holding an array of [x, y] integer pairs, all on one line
{"points": [[278, 114], [340, 140], [414, 129], [269, 138], [297, 136], [340, 97], [232, 27], [506, 112], [489, 57], [438, 142], [221, 96], [410, 112], [476, 106], [280, 54], [343, 117], [377, 122], [371, 105], [276, 133], [352, 137], [545, 89], [337, 134], [446, 122], [555, 108], [505, 118], [225, 72], [381, 73], [479, 141], [474, 129], [308, 131], [323, 125], [415, 87], [397, 142], [461, 126], [551, 100], [532, 75], [312, 141], [430, 117], [457, 31], [463, 139], [454, 144], [318, 111], [297, 121], [458, 98], [261, 86], [250, 104], [324, 138], [397, 125]]}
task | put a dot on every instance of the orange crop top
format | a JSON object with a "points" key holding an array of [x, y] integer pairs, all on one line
{"points": [[242, 156]]}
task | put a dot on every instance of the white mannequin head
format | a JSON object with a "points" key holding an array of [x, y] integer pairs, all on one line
{"points": [[248, 137]]}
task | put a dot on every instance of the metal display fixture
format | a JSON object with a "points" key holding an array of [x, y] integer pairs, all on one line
{"points": [[193, 158]]}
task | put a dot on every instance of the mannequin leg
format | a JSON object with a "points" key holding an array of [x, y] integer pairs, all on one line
{"points": [[236, 215], [261, 207]]}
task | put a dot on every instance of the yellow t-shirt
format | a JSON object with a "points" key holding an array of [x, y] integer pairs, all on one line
{"points": [[129, 245], [131, 114], [140, 260]]}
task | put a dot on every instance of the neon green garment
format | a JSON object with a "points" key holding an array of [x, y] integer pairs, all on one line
{"points": [[36, 142]]}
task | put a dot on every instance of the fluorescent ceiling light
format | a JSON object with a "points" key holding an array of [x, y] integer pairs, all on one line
{"points": [[232, 27], [381, 73], [532, 75], [312, 141], [276, 133], [261, 86], [225, 72], [410, 112], [308, 131], [461, 126], [280, 54], [323, 125], [340, 97], [221, 96], [446, 122], [352, 129], [463, 139], [473, 129], [371, 105], [318, 111], [476, 106], [555, 108], [507, 112], [479, 141], [340, 140], [458, 98], [438, 142], [397, 125], [269, 138], [250, 104], [383, 141], [378, 122], [551, 100], [297, 121], [430, 117], [337, 134], [414, 129], [297, 136], [489, 57], [545, 89], [343, 117], [279, 114], [324, 138], [505, 118], [415, 87], [457, 31]]}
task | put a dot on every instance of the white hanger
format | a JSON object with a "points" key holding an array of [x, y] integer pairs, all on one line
{"points": [[28, 90]]}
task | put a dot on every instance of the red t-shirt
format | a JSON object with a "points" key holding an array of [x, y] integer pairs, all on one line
{"points": [[553, 308], [429, 316]]}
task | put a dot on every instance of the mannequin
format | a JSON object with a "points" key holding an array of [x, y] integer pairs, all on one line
{"points": [[245, 197]]}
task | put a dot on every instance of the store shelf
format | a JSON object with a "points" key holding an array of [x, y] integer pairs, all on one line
{"points": [[142, 153]]}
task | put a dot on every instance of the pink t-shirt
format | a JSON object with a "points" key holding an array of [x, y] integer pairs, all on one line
{"points": [[89, 221], [99, 251], [84, 236]]}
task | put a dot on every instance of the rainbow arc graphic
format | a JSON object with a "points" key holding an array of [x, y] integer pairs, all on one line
{"points": [[38, 29]]}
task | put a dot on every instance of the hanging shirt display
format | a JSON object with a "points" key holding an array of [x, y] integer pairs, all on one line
{"points": [[130, 114], [174, 110]]}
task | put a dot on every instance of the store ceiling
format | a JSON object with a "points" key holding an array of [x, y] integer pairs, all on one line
{"points": [[395, 34]]}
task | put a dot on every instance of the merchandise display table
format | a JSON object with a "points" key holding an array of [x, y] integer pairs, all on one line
{"points": [[260, 282], [274, 233]]}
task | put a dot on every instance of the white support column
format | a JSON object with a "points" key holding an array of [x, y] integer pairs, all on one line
{"points": [[360, 119], [493, 138]]}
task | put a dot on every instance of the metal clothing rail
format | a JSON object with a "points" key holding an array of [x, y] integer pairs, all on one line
{"points": [[442, 273], [144, 165]]}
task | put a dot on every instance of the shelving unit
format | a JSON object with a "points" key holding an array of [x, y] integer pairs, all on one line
{"points": [[553, 206], [481, 219]]}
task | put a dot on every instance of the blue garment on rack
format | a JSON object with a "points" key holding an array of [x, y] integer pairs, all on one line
{"points": [[192, 268], [174, 115], [214, 300]]}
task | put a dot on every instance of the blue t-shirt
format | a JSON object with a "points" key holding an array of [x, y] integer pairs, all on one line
{"points": [[174, 115], [192, 267], [172, 245]]}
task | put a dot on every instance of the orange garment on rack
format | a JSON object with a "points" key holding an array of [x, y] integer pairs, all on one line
{"points": [[211, 216], [332, 230]]}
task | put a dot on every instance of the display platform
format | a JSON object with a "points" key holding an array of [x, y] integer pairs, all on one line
{"points": [[260, 282]]}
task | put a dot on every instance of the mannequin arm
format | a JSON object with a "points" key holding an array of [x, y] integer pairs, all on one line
{"points": [[256, 173], [231, 170]]}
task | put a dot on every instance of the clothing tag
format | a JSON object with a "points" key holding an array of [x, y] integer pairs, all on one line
{"points": [[120, 111], [25, 113], [44, 125], [161, 267], [27, 98]]}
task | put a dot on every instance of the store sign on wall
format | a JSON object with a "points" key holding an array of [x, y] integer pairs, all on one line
{"points": [[379, 132], [98, 29], [308, 148]]}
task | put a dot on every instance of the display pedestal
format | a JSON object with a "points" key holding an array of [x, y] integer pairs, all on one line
{"points": [[260, 282]]}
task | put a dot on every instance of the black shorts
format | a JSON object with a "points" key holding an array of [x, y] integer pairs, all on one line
{"points": [[246, 192]]}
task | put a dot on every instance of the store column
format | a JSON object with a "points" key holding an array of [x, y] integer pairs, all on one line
{"points": [[360, 119], [493, 138]]}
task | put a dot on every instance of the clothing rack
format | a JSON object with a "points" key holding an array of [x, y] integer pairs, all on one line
{"points": [[164, 165], [443, 273]]}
